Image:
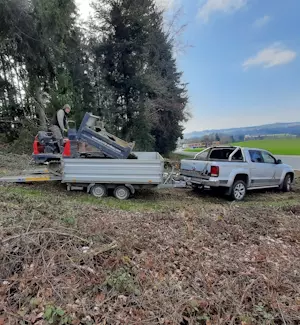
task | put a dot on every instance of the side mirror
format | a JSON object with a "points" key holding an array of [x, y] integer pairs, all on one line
{"points": [[279, 162]]}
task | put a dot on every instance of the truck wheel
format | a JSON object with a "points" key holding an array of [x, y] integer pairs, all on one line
{"points": [[122, 193], [99, 191], [239, 190], [287, 183]]}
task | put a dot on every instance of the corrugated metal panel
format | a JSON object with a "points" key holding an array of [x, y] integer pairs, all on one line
{"points": [[147, 169]]}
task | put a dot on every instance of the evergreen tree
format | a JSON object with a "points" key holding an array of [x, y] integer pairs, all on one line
{"points": [[144, 100], [166, 92], [121, 54], [34, 41]]}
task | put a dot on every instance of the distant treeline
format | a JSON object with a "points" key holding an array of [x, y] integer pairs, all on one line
{"points": [[239, 133]]}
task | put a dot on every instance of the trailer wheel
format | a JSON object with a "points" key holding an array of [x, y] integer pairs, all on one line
{"points": [[122, 193], [99, 191]]}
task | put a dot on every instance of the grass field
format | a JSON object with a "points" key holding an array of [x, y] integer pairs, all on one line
{"points": [[164, 257], [276, 146], [194, 150]]}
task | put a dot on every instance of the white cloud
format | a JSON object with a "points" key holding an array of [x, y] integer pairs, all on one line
{"points": [[276, 54], [225, 6], [165, 4], [260, 22]]}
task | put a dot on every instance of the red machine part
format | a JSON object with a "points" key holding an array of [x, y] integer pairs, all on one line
{"points": [[67, 148], [38, 148]]}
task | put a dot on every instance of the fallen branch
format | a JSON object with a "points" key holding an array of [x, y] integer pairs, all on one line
{"points": [[84, 268], [281, 313], [104, 249], [44, 231], [8, 313]]}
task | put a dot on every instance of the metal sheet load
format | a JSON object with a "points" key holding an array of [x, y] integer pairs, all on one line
{"points": [[94, 134]]}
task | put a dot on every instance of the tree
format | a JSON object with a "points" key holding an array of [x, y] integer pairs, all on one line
{"points": [[122, 57], [41, 47], [54, 22], [143, 100], [167, 94]]}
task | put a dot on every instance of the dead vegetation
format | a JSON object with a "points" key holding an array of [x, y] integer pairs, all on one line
{"points": [[181, 259], [13, 164]]}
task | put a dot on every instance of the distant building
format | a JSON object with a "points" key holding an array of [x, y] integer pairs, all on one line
{"points": [[203, 144], [253, 137], [196, 145], [268, 136]]}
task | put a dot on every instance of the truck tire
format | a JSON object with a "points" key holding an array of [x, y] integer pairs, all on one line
{"points": [[239, 190], [287, 183], [122, 193], [99, 191]]}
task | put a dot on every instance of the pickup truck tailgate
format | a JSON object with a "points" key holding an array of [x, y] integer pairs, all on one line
{"points": [[191, 166]]}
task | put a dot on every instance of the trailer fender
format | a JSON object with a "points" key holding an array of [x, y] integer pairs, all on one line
{"points": [[132, 189], [89, 187]]}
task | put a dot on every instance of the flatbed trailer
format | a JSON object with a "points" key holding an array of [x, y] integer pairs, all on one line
{"points": [[112, 167], [98, 176]]}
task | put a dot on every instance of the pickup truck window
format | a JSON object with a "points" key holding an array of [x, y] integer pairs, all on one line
{"points": [[202, 156], [221, 154], [256, 156], [238, 156], [268, 159]]}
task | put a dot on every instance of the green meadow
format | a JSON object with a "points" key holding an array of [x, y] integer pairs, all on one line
{"points": [[287, 146], [276, 146]]}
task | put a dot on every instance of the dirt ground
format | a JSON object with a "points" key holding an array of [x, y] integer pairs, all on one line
{"points": [[163, 257]]}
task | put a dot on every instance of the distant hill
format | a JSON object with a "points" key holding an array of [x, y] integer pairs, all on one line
{"points": [[276, 128]]}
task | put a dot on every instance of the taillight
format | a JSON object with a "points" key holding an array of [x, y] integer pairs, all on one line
{"points": [[214, 171], [36, 146]]}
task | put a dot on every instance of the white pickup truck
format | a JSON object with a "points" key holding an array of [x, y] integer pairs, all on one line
{"points": [[237, 170]]}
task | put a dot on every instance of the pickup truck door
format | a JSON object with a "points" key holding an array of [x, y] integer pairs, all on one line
{"points": [[276, 169], [263, 169]]}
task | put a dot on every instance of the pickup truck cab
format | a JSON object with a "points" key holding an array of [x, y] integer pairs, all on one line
{"points": [[237, 170]]}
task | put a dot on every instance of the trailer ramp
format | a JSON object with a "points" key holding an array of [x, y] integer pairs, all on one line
{"points": [[33, 176]]}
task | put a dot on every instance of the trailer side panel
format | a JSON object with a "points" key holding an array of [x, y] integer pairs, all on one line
{"points": [[147, 169]]}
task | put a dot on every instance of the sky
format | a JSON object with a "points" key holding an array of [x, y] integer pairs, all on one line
{"points": [[242, 64]]}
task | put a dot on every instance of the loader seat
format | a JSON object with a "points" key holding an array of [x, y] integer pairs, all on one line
{"points": [[47, 140]]}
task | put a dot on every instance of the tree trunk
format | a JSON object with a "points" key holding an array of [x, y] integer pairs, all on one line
{"points": [[41, 110], [6, 83]]}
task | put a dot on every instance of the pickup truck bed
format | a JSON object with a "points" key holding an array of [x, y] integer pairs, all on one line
{"points": [[235, 167]]}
